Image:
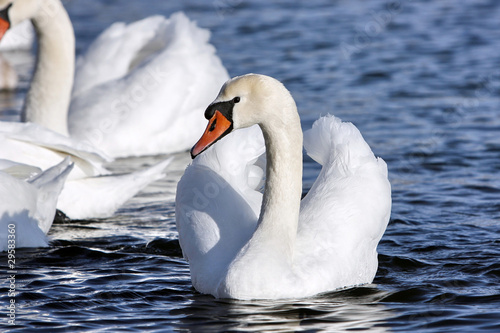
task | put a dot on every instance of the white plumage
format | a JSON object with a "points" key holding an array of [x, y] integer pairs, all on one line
{"points": [[287, 251], [141, 88], [29, 204]]}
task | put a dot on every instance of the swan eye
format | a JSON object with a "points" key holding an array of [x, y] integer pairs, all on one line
{"points": [[236, 100]]}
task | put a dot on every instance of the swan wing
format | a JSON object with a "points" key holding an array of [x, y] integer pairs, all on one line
{"points": [[19, 170], [98, 197], [157, 106], [116, 51], [32, 144], [345, 213]]}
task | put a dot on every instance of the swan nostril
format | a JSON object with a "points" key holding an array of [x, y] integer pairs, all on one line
{"points": [[212, 127]]}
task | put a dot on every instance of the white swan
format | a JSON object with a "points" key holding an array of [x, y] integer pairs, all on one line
{"points": [[91, 190], [139, 90], [243, 245], [29, 207]]}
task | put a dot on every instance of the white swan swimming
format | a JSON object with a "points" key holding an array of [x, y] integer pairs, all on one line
{"points": [[28, 207], [139, 89], [91, 191], [244, 245]]}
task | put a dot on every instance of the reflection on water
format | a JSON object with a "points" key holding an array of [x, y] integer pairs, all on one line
{"points": [[354, 309]]}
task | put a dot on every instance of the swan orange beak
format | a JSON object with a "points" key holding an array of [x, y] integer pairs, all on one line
{"points": [[218, 126], [4, 20], [4, 26]]}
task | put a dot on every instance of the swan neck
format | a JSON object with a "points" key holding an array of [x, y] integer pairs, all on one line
{"points": [[278, 220], [47, 101]]}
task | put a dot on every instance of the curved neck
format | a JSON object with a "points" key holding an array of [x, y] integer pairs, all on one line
{"points": [[279, 214], [48, 98]]}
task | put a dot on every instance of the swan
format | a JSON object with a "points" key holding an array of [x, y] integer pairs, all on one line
{"points": [[118, 101], [29, 205], [242, 244], [91, 191]]}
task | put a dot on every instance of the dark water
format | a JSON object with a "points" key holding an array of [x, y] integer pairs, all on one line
{"points": [[420, 79]]}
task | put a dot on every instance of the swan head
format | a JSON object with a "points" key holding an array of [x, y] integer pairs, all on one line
{"points": [[14, 12], [243, 101]]}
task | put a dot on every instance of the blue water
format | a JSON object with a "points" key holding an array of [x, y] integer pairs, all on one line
{"points": [[420, 79]]}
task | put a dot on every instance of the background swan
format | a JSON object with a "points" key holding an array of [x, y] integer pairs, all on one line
{"points": [[29, 204], [164, 68], [91, 190], [290, 248]]}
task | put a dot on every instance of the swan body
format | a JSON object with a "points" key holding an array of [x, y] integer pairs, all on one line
{"points": [[29, 204], [246, 245]]}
